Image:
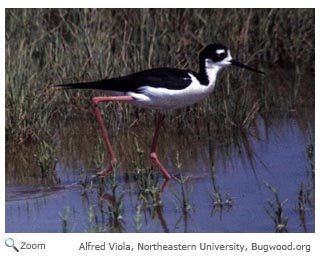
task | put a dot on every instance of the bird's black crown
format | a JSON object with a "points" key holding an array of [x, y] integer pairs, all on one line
{"points": [[215, 52]]}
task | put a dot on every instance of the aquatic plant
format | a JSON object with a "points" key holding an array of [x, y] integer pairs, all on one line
{"points": [[65, 217], [276, 212], [46, 160], [137, 219], [93, 222], [147, 181]]}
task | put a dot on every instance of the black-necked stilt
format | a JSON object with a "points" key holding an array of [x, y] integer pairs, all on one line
{"points": [[161, 89]]}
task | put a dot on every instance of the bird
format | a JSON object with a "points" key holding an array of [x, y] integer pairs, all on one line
{"points": [[160, 89]]}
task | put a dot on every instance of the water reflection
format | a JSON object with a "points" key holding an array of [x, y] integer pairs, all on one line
{"points": [[218, 186]]}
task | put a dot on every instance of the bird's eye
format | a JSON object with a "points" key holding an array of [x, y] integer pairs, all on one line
{"points": [[221, 53]]}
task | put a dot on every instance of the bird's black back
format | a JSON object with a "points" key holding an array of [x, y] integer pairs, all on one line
{"points": [[170, 78]]}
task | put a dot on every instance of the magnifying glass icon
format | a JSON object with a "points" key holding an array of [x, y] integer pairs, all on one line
{"points": [[10, 243]]}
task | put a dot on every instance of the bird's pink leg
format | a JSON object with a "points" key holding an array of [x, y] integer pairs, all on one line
{"points": [[153, 154], [95, 102]]}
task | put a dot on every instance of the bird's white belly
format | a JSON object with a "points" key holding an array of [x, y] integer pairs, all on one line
{"points": [[162, 98]]}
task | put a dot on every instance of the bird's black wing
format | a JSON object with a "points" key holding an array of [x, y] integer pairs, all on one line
{"points": [[174, 79]]}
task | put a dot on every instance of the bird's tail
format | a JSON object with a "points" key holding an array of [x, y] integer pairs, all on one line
{"points": [[96, 85]]}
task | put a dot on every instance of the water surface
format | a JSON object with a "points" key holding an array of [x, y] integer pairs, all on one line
{"points": [[217, 187]]}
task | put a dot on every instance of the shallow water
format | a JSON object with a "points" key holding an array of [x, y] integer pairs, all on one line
{"points": [[219, 187]]}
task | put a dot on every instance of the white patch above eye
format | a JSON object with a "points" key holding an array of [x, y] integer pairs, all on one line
{"points": [[220, 51]]}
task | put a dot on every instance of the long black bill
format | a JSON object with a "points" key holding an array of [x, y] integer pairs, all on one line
{"points": [[236, 63]]}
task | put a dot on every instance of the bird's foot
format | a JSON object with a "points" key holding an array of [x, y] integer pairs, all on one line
{"points": [[104, 172]]}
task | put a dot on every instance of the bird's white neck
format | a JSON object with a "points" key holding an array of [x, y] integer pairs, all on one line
{"points": [[211, 70]]}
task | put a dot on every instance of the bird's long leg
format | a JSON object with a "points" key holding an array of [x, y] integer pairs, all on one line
{"points": [[153, 154], [95, 102]]}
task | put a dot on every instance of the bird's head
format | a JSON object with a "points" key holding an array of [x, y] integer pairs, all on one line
{"points": [[219, 56]]}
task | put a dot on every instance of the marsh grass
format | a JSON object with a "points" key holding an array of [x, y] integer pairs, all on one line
{"points": [[99, 157], [51, 46]]}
